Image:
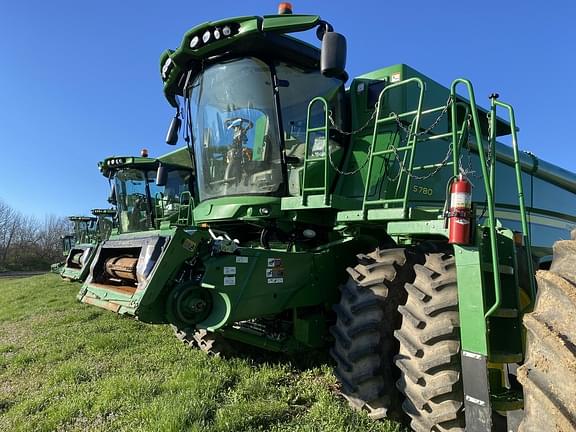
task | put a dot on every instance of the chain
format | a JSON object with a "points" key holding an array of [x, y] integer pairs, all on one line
{"points": [[347, 173], [354, 132], [403, 169], [468, 171], [408, 134], [428, 129]]}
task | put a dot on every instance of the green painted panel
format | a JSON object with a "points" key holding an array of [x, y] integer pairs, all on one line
{"points": [[471, 299]]}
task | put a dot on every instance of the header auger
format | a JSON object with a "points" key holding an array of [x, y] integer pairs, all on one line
{"points": [[79, 248], [309, 214]]}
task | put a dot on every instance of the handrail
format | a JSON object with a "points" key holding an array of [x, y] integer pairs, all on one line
{"points": [[188, 208], [413, 130], [159, 203], [487, 186], [518, 170], [309, 131]]}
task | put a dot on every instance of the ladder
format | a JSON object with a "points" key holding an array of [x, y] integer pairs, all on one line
{"points": [[186, 209], [413, 137], [489, 180], [323, 190]]}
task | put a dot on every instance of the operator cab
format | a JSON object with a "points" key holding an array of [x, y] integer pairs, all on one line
{"points": [[246, 104], [141, 203], [68, 242], [105, 223], [83, 228]]}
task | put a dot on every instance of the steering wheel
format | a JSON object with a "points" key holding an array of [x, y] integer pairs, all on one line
{"points": [[138, 197], [238, 122]]}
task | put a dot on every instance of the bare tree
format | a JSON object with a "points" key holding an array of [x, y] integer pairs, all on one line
{"points": [[10, 222], [28, 244]]}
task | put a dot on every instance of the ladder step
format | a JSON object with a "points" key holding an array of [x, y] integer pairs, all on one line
{"points": [[388, 151], [439, 136], [313, 189], [385, 201], [506, 313], [391, 117], [505, 357], [504, 269], [432, 166], [314, 159]]}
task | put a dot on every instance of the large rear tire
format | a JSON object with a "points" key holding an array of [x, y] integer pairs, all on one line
{"points": [[364, 343], [429, 357], [549, 374]]}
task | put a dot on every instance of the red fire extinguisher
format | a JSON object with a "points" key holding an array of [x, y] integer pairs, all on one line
{"points": [[460, 213]]}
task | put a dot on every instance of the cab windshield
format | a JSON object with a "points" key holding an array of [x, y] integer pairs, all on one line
{"points": [[235, 128], [142, 205], [235, 124], [105, 224], [83, 230]]}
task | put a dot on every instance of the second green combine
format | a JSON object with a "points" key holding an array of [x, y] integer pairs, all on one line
{"points": [[81, 247]]}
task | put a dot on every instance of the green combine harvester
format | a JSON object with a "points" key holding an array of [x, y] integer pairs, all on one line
{"points": [[81, 247], [68, 242], [383, 220], [151, 196]]}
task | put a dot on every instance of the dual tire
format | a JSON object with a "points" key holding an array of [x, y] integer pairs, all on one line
{"points": [[397, 338], [427, 331]]}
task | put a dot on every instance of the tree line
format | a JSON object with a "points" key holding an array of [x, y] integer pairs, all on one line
{"points": [[29, 243]]}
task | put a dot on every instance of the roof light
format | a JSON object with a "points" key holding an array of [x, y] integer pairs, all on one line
{"points": [[217, 34], [166, 67], [194, 42], [227, 31], [285, 8], [144, 152], [206, 36]]}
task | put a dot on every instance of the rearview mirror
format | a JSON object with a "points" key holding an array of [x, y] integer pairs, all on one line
{"points": [[161, 176], [172, 135], [333, 55], [112, 196]]}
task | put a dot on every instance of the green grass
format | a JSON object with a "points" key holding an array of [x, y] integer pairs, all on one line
{"points": [[66, 366]]}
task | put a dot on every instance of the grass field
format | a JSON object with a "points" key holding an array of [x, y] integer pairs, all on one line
{"points": [[65, 366]]}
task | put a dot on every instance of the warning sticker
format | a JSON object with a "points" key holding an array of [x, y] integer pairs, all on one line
{"points": [[274, 272], [241, 260], [229, 270], [395, 77], [275, 280], [274, 262], [461, 199], [189, 245], [229, 280]]}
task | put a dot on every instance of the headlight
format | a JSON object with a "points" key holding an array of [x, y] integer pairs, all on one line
{"points": [[166, 68], [217, 34], [226, 31], [206, 36], [194, 42]]}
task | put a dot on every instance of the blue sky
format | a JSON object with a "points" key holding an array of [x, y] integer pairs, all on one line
{"points": [[80, 80]]}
